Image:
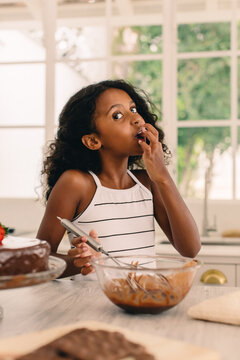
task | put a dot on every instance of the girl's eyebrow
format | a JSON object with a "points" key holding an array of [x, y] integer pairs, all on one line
{"points": [[116, 105], [113, 106]]}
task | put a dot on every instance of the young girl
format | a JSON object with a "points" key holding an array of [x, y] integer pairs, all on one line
{"points": [[104, 130]]}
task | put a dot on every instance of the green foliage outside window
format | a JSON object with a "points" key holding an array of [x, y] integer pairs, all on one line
{"points": [[203, 37], [137, 40], [193, 143], [146, 75], [203, 91]]}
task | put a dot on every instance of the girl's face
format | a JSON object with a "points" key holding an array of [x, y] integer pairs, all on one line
{"points": [[118, 123]]}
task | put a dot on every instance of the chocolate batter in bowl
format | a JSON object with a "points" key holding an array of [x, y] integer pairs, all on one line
{"points": [[163, 281]]}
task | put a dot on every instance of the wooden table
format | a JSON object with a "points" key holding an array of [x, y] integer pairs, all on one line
{"points": [[65, 301]]}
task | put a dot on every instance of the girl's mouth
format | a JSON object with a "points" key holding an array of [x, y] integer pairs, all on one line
{"points": [[140, 134]]}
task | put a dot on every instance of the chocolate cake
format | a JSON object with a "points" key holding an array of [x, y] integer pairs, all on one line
{"points": [[23, 256], [86, 344]]}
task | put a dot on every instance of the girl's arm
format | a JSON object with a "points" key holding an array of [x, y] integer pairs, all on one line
{"points": [[64, 201], [171, 211], [174, 217]]}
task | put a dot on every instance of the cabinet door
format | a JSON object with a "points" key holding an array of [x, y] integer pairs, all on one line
{"points": [[216, 274]]}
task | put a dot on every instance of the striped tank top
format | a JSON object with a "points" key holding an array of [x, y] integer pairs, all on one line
{"points": [[123, 219]]}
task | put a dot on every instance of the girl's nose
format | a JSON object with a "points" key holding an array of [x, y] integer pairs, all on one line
{"points": [[138, 121]]}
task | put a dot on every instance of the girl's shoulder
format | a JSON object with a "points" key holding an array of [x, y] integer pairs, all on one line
{"points": [[75, 175], [143, 177], [76, 181], [72, 193]]}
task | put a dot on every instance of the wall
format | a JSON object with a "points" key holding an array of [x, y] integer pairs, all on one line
{"points": [[22, 214]]}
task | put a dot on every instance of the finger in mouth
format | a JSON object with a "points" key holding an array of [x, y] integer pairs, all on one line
{"points": [[140, 135]]}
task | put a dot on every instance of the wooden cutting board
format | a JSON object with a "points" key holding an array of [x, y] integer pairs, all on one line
{"points": [[161, 348]]}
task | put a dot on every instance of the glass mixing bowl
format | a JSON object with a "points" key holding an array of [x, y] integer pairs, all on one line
{"points": [[145, 284]]}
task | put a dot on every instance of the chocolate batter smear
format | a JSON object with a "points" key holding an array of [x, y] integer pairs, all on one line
{"points": [[85, 344]]}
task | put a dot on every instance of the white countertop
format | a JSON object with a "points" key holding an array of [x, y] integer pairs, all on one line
{"points": [[222, 251], [65, 301], [206, 250]]}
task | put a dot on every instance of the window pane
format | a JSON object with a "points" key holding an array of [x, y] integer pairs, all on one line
{"points": [[146, 75], [72, 76], [22, 42], [199, 149], [20, 162], [22, 89], [203, 37], [238, 166], [137, 40], [77, 43], [21, 45], [204, 89]]}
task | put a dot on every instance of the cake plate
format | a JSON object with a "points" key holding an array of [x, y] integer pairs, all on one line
{"points": [[56, 268]]}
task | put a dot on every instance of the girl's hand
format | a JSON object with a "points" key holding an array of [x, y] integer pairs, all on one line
{"points": [[82, 253], [153, 156]]}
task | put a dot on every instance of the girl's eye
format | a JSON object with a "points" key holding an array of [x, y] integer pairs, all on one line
{"points": [[134, 109], [117, 116]]}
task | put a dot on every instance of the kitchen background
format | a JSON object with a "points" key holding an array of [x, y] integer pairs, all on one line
{"points": [[184, 53]]}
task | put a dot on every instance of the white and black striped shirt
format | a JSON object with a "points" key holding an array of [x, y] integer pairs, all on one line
{"points": [[123, 219]]}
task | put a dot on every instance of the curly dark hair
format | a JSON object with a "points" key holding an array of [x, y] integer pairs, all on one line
{"points": [[77, 119]]}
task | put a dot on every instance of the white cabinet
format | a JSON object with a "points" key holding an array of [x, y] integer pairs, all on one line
{"points": [[218, 260]]}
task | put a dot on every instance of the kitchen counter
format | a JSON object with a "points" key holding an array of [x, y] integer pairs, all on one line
{"points": [[65, 301], [224, 258], [206, 250]]}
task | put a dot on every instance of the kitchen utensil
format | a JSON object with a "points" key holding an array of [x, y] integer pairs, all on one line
{"points": [[98, 247]]}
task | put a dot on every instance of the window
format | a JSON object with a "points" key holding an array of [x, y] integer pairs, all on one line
{"points": [[207, 100], [22, 105], [192, 75]]}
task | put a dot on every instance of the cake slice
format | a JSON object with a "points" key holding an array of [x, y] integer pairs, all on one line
{"points": [[22, 256]]}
